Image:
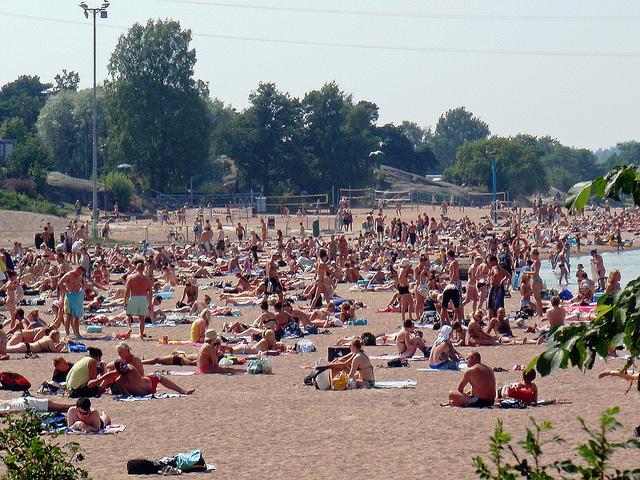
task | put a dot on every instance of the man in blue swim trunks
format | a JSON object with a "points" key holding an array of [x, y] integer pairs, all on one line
{"points": [[137, 297], [71, 291], [483, 385]]}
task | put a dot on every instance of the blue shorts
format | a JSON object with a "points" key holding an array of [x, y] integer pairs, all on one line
{"points": [[74, 304]]}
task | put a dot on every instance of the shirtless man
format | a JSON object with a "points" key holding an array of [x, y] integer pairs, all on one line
{"points": [[555, 316], [131, 382], [206, 238], [71, 291], [475, 334], [598, 266], [454, 278], [271, 280], [483, 385], [209, 355], [379, 221], [408, 341], [496, 292], [137, 296], [406, 303], [81, 417], [126, 355]]}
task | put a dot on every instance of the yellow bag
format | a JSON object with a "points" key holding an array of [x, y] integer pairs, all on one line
{"points": [[3, 266], [341, 381]]}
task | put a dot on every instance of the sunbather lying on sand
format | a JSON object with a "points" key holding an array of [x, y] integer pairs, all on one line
{"points": [[131, 382], [176, 358], [17, 405], [48, 343], [83, 418]]}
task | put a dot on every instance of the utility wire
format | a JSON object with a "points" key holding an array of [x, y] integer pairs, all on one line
{"points": [[312, 43], [414, 15]]}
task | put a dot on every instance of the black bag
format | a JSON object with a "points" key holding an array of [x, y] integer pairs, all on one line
{"points": [[141, 466], [14, 382], [398, 362]]}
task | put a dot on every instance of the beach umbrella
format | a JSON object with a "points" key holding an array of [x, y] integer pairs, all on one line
{"points": [[124, 166]]}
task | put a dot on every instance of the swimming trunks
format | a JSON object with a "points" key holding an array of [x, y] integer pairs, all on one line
{"points": [[451, 295], [138, 305], [446, 365], [176, 360], [154, 382], [73, 304], [25, 403], [496, 298], [475, 402]]}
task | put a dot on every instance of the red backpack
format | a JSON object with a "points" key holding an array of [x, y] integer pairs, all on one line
{"points": [[14, 382]]}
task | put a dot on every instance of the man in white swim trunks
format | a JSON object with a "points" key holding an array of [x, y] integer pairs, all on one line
{"points": [[137, 297], [16, 405]]}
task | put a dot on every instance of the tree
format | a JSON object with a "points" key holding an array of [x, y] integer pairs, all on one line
{"points": [[339, 134], [27, 455], [23, 98], [30, 159], [158, 120], [617, 323], [13, 128], [626, 153], [65, 126], [66, 81], [518, 165], [403, 153], [454, 128], [265, 139], [120, 188], [566, 166]]}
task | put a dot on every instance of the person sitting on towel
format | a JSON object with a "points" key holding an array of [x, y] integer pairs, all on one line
{"points": [[483, 385], [443, 354], [526, 390], [209, 355], [358, 364], [409, 341]]}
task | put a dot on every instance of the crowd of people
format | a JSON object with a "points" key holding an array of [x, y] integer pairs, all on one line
{"points": [[451, 275]]}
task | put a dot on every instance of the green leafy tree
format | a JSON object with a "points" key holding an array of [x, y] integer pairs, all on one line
{"points": [[339, 134], [23, 98], [30, 159], [27, 455], [66, 81], [158, 119], [626, 153], [265, 140], [596, 454], [14, 129], [518, 165], [454, 128], [617, 322], [401, 152], [65, 126], [120, 188]]}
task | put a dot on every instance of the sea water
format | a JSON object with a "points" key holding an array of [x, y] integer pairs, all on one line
{"points": [[628, 262]]}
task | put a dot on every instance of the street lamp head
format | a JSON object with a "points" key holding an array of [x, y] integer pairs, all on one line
{"points": [[105, 5], [86, 13], [83, 5], [103, 14]]}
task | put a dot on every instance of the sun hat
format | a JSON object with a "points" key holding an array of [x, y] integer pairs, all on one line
{"points": [[210, 335]]}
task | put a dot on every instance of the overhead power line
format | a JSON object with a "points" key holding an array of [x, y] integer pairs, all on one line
{"points": [[312, 43], [413, 15]]}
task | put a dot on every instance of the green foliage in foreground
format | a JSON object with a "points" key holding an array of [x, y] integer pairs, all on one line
{"points": [[27, 455], [23, 203], [596, 454], [617, 323]]}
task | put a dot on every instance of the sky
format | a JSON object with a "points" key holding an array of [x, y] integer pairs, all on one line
{"points": [[568, 69]]}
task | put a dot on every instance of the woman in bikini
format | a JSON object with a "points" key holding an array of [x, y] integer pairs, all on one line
{"points": [[47, 344], [537, 283], [323, 281], [11, 287]]}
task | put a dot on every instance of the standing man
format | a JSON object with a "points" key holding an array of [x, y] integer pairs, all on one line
{"points": [[137, 297], [71, 292], [406, 300], [496, 293], [597, 267]]}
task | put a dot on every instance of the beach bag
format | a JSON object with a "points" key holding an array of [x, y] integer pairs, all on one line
{"points": [[322, 380], [396, 363], [259, 366], [190, 462], [565, 295], [340, 382], [512, 403], [369, 339], [305, 346], [140, 466], [14, 382]]}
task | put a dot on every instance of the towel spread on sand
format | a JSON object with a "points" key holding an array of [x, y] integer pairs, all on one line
{"points": [[395, 384], [395, 356], [175, 373], [461, 367], [108, 430], [142, 398]]}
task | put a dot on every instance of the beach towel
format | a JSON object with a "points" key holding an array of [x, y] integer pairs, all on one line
{"points": [[461, 367], [142, 398], [108, 430], [74, 347], [175, 373], [395, 356], [388, 384]]}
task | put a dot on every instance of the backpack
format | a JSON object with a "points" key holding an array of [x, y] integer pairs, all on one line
{"points": [[14, 382], [504, 261]]}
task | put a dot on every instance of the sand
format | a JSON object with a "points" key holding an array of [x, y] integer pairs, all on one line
{"points": [[264, 426], [273, 426]]}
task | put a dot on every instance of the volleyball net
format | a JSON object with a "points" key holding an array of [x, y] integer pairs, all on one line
{"points": [[362, 197], [389, 196], [296, 202], [480, 199]]}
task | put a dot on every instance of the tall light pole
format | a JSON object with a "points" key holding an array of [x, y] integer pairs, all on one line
{"points": [[102, 10], [493, 154]]}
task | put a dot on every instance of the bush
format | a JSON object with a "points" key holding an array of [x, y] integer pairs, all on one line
{"points": [[26, 186], [23, 203], [120, 188], [28, 456], [596, 454]]}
